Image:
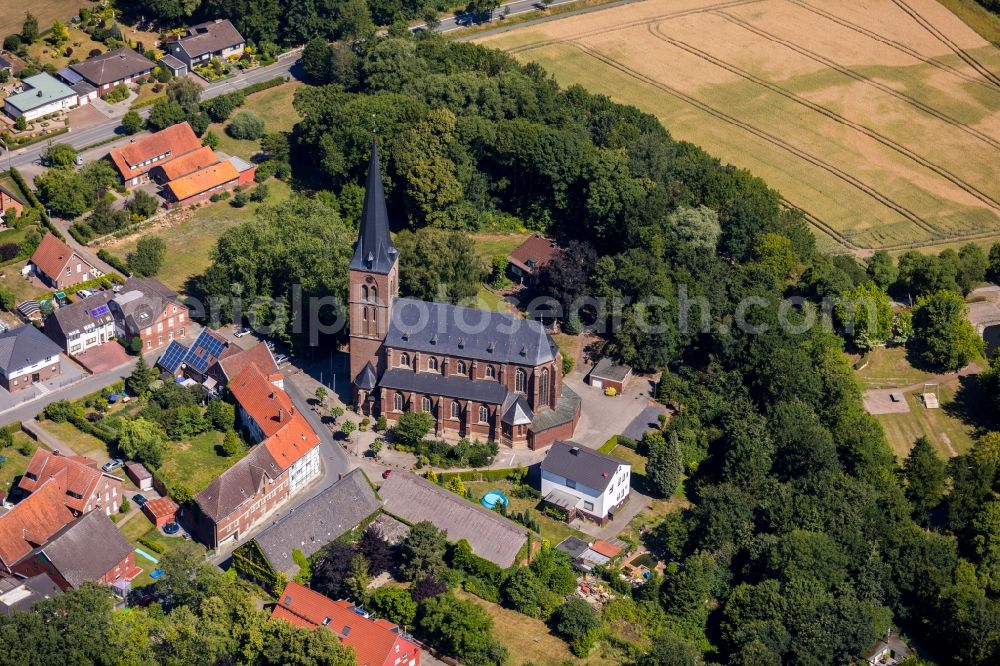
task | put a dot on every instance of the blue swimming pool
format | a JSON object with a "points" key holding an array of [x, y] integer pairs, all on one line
{"points": [[493, 498]]}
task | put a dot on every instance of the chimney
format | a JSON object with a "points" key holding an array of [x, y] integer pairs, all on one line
{"points": [[575, 451]]}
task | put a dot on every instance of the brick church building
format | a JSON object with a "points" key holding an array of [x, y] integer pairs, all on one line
{"points": [[480, 374]]}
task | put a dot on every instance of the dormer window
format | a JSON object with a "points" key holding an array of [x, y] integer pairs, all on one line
{"points": [[432, 364], [404, 360], [491, 373]]}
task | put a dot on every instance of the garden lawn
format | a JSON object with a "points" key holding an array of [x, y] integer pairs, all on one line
{"points": [[949, 434], [889, 368], [16, 462], [194, 463], [191, 240], [489, 245], [138, 527], [80, 442], [11, 278], [529, 640], [552, 530], [49, 55], [274, 105]]}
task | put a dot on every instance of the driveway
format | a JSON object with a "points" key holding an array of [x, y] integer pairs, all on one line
{"points": [[601, 416]]}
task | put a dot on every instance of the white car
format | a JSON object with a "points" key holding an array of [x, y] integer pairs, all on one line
{"points": [[240, 332]]}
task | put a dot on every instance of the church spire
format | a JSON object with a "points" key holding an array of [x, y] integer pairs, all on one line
{"points": [[374, 250]]}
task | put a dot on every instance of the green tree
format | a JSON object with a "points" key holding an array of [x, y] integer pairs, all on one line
{"points": [[881, 268], [316, 60], [59, 155], [29, 29], [353, 20], [972, 267], [942, 335], [695, 227], [137, 383], [986, 527], [164, 114], [231, 444], [8, 299], [395, 604], [437, 264], [132, 122], [221, 414], [142, 440], [668, 650], [58, 34], [321, 393], [578, 623], [141, 205], [865, 313], [460, 628], [358, 579], [926, 477], [186, 94], [664, 464], [246, 125], [422, 552], [147, 259], [412, 427], [210, 139]]}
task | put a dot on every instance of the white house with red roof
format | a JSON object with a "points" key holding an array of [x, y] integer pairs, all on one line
{"points": [[375, 642]]}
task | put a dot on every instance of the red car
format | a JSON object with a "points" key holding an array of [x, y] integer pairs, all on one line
{"points": [[386, 473]]}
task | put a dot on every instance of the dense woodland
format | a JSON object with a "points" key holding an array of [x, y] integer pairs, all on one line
{"points": [[806, 540]]}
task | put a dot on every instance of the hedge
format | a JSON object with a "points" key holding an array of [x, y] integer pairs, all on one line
{"points": [[35, 203], [264, 85], [17, 145], [483, 474], [147, 102], [154, 546], [114, 261]]}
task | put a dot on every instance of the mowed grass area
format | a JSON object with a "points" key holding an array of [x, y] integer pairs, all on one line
{"points": [[853, 111], [11, 278], [46, 11], [138, 527], [889, 368], [79, 442], [191, 235], [16, 462], [194, 463], [529, 640], [950, 434], [274, 105], [552, 530]]}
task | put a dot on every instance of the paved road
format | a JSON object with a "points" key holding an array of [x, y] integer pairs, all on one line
{"points": [[460, 21], [81, 138]]}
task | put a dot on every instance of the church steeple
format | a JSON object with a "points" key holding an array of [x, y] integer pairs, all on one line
{"points": [[374, 251]]}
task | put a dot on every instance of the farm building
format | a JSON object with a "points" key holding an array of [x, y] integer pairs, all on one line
{"points": [[137, 159]]}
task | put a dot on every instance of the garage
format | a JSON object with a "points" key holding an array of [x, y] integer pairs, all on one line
{"points": [[610, 375]]}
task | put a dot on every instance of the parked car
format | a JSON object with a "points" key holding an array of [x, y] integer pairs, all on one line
{"points": [[386, 474], [140, 500], [113, 464], [240, 332], [280, 358], [85, 293]]}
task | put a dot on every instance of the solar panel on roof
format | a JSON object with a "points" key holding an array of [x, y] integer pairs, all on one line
{"points": [[205, 349], [99, 311], [172, 357]]}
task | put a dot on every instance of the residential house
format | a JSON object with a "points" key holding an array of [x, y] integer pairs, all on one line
{"points": [[888, 651], [136, 160], [610, 375], [107, 70], [42, 94], [415, 499], [212, 39], [583, 482], [20, 594], [528, 258], [268, 414], [375, 642], [85, 486], [27, 357], [202, 184], [239, 497], [315, 523], [285, 461], [149, 311], [84, 324], [10, 201], [89, 549], [234, 360], [59, 265], [195, 361], [31, 523]]}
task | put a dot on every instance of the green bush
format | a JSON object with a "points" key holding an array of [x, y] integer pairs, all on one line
{"points": [[246, 125], [154, 546]]}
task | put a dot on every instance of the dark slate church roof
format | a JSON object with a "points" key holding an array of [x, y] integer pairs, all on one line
{"points": [[374, 250], [454, 386], [453, 330], [366, 379]]}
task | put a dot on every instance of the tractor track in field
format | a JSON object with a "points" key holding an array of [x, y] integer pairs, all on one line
{"points": [[894, 44], [947, 41], [770, 138], [875, 135], [633, 24], [858, 76]]}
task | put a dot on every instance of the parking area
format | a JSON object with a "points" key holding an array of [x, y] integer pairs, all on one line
{"points": [[604, 416], [880, 401], [103, 357]]}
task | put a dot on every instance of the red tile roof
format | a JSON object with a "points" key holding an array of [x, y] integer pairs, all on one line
{"points": [[202, 180], [76, 475], [266, 404], [534, 253], [373, 641], [175, 141], [604, 548], [288, 436], [52, 255], [185, 164], [160, 507], [259, 354], [33, 521]]}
